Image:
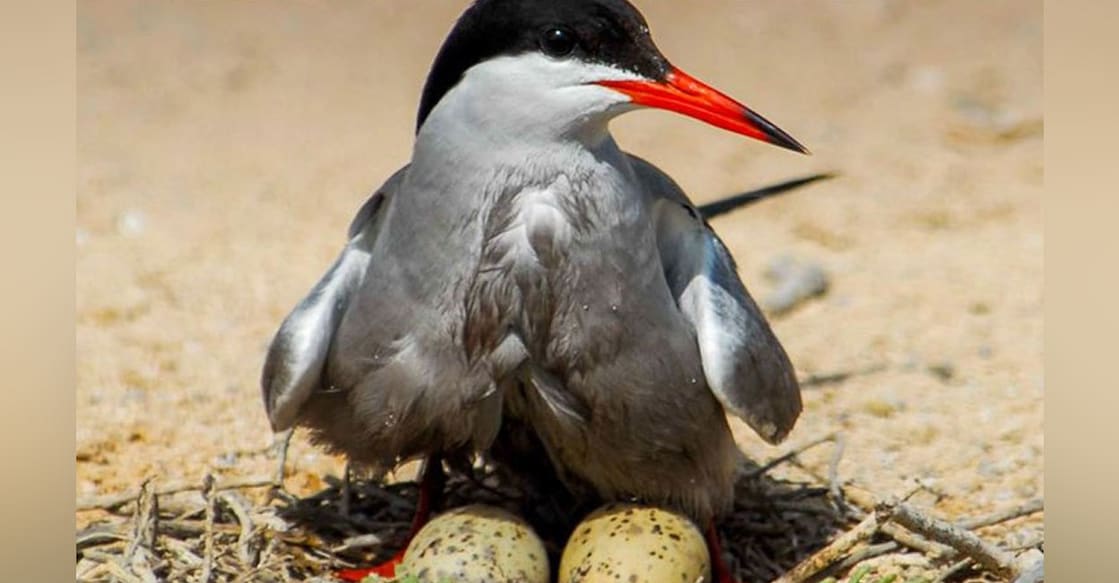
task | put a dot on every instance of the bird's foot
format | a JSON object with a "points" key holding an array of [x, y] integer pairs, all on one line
{"points": [[386, 570], [719, 568], [431, 495]]}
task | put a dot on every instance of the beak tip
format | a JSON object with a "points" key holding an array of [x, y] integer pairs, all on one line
{"points": [[787, 142], [796, 147], [773, 134]]}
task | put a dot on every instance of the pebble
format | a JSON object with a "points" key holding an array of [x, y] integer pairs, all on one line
{"points": [[226, 460], [928, 80], [977, 121], [132, 223], [796, 282], [944, 370]]}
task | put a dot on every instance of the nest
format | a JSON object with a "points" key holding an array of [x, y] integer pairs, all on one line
{"points": [[255, 531]]}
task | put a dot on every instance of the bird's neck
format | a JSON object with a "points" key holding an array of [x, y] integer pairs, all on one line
{"points": [[495, 135], [476, 148]]}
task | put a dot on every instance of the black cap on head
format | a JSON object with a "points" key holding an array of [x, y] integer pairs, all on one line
{"points": [[608, 32]]}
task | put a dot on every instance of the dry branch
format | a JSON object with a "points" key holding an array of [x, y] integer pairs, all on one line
{"points": [[833, 553], [246, 549], [994, 559], [1004, 515], [835, 487], [280, 445], [905, 538], [1035, 573], [97, 536], [954, 569], [759, 471], [117, 500], [208, 536], [144, 522], [222, 537], [119, 572]]}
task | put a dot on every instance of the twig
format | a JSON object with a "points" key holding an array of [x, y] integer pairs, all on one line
{"points": [[757, 472], [346, 493], [834, 485], [93, 572], [143, 522], [954, 569], [1004, 515], [942, 551], [867, 553], [364, 541], [183, 553], [868, 502], [1032, 543], [479, 481], [97, 536], [192, 528], [903, 537], [100, 557], [141, 565], [989, 556], [208, 491], [391, 498], [800, 507], [280, 445], [832, 553], [246, 551], [117, 500], [1035, 573], [121, 573], [141, 540]]}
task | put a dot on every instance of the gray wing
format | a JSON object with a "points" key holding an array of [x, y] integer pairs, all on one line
{"points": [[294, 366], [744, 364]]}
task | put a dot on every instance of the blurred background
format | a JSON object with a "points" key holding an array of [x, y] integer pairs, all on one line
{"points": [[224, 146]]}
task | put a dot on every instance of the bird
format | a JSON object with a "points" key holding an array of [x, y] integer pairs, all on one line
{"points": [[524, 282]]}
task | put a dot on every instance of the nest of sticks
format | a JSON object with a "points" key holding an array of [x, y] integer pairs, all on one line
{"points": [[781, 531]]}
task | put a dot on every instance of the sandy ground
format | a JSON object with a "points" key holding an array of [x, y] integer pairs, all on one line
{"points": [[223, 148]]}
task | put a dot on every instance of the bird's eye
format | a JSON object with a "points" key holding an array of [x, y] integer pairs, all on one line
{"points": [[557, 42]]}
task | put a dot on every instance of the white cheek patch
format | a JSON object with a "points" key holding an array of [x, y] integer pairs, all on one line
{"points": [[529, 95]]}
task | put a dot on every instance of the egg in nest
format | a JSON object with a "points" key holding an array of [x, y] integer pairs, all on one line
{"points": [[476, 544], [629, 543]]}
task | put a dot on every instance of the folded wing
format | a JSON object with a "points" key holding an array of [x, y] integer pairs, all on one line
{"points": [[294, 365], [744, 364]]}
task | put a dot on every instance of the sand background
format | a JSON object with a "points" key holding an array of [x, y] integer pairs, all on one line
{"points": [[224, 146]]}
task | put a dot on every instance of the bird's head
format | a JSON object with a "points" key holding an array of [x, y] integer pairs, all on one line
{"points": [[552, 68]]}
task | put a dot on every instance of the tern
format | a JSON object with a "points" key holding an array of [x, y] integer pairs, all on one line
{"points": [[526, 288]]}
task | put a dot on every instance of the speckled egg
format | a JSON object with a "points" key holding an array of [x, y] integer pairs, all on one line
{"points": [[628, 543], [476, 544]]}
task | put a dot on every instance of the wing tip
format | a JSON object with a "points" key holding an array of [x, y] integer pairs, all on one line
{"points": [[273, 388], [775, 413]]}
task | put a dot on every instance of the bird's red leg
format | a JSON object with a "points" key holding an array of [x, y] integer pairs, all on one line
{"points": [[431, 494], [719, 568]]}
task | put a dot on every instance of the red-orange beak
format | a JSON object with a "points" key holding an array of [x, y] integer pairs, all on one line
{"points": [[687, 95]]}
